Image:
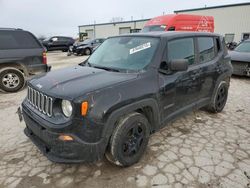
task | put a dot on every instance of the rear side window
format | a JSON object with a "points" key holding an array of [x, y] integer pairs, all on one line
{"points": [[206, 49], [17, 40], [182, 49], [218, 44]]}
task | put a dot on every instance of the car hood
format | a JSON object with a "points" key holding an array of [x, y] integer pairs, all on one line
{"points": [[80, 44], [73, 82], [239, 56]]}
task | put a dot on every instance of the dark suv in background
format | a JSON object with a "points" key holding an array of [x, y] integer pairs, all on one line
{"points": [[58, 43], [131, 87], [21, 56]]}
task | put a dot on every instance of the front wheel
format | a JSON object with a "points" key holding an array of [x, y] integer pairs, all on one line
{"points": [[219, 98], [11, 80], [87, 51], [129, 140]]}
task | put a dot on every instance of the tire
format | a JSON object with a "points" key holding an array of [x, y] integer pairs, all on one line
{"points": [[87, 51], [11, 79], [219, 98], [129, 140]]}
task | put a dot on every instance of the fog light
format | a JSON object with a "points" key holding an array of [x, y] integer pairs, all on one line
{"points": [[65, 138]]}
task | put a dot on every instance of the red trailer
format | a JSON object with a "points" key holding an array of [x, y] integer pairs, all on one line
{"points": [[180, 22]]}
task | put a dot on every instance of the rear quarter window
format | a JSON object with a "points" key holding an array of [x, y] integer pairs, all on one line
{"points": [[17, 40]]}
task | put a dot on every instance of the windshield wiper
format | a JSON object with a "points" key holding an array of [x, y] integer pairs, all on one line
{"points": [[106, 68], [84, 63]]}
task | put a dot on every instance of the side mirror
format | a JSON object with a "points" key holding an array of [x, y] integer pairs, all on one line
{"points": [[163, 68], [178, 64]]}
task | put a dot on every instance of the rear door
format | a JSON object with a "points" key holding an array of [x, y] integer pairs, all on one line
{"points": [[210, 58]]}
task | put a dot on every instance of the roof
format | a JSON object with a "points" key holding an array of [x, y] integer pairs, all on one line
{"points": [[108, 23], [213, 7], [12, 29], [169, 34]]}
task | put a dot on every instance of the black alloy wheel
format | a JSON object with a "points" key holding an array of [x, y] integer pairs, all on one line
{"points": [[221, 97], [129, 140]]}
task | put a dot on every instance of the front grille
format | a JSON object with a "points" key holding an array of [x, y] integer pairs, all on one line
{"points": [[39, 101]]}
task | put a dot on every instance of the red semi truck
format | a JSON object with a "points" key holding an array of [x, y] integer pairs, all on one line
{"points": [[180, 22]]}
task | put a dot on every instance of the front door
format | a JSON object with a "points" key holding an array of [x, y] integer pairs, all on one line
{"points": [[180, 90]]}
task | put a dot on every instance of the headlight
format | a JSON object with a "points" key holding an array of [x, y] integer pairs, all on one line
{"points": [[67, 108]]}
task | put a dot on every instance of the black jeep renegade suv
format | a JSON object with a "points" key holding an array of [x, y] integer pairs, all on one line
{"points": [[130, 87]]}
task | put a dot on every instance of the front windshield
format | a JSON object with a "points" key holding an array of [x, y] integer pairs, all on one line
{"points": [[125, 53], [243, 47], [154, 28]]}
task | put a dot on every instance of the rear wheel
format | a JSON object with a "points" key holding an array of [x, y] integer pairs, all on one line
{"points": [[11, 80], [129, 140], [219, 98]]}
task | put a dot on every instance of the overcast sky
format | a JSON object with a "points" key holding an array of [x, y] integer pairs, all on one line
{"points": [[62, 17]]}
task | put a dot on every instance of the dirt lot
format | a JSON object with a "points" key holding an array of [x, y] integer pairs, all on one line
{"points": [[198, 150]]}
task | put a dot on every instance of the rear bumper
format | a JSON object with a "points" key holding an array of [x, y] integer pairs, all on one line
{"points": [[36, 69], [61, 151]]}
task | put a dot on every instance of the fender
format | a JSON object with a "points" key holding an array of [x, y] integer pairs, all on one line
{"points": [[114, 116], [16, 66], [224, 78]]}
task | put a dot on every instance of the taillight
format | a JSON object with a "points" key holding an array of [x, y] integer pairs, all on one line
{"points": [[44, 58]]}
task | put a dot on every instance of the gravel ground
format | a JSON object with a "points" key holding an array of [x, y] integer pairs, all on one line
{"points": [[198, 150]]}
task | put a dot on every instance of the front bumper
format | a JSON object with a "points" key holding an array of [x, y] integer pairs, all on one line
{"points": [[61, 151], [77, 50], [241, 68]]}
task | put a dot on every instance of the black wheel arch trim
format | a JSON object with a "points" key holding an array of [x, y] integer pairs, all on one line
{"points": [[117, 114]]}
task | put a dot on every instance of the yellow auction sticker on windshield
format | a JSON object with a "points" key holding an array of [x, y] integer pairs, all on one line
{"points": [[140, 48]]}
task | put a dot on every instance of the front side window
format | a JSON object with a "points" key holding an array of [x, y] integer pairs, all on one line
{"points": [[54, 39], [182, 49], [206, 49], [125, 53]]}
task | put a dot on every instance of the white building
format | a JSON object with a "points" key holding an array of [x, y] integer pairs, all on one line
{"points": [[232, 21], [104, 30]]}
